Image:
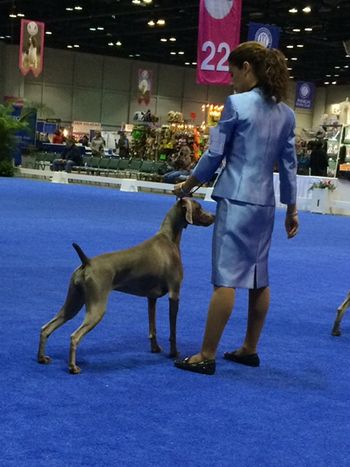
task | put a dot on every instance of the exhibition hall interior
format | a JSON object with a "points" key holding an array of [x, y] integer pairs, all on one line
{"points": [[116, 137]]}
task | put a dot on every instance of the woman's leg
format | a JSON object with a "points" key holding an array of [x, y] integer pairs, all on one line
{"points": [[259, 301], [220, 309]]}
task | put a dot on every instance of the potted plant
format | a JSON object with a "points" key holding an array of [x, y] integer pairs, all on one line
{"points": [[9, 126], [320, 200]]}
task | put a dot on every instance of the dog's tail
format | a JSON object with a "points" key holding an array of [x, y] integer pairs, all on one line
{"points": [[84, 259]]}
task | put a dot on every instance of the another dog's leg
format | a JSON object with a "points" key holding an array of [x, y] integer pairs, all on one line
{"points": [[173, 309], [94, 314], [72, 305], [340, 313], [152, 325]]}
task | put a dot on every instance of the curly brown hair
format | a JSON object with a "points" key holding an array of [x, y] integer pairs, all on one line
{"points": [[269, 66]]}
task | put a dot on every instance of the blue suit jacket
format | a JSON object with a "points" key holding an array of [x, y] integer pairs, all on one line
{"points": [[256, 133]]}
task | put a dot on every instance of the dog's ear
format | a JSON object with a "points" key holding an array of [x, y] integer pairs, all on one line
{"points": [[187, 204]]}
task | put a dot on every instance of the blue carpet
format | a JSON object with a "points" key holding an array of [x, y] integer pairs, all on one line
{"points": [[132, 408]]}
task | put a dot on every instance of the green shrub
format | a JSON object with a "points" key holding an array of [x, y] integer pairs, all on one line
{"points": [[6, 169]]}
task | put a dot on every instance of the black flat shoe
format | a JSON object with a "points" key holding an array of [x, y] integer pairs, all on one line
{"points": [[249, 360], [205, 367]]}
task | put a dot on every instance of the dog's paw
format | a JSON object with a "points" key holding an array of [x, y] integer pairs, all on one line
{"points": [[74, 370], [44, 359]]}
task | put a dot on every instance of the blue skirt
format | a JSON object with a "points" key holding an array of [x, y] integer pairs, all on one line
{"points": [[241, 244]]}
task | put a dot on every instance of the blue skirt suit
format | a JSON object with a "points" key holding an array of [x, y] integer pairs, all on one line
{"points": [[254, 134]]}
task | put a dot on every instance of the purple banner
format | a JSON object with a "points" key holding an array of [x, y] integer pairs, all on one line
{"points": [[304, 95]]}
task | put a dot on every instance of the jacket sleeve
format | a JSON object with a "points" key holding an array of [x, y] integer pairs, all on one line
{"points": [[288, 169], [219, 140]]}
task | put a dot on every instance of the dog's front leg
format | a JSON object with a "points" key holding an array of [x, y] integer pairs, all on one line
{"points": [[152, 325], [173, 309]]}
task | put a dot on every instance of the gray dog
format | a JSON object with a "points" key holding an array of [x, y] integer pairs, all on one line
{"points": [[151, 269]]}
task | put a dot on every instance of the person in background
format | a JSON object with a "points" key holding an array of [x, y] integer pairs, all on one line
{"points": [[182, 164], [123, 145], [58, 137], [255, 130], [98, 145], [318, 160], [84, 140], [71, 157]]}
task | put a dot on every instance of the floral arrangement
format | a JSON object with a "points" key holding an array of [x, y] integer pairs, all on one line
{"points": [[323, 185]]}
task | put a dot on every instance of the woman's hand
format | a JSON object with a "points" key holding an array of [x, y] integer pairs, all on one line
{"points": [[292, 224], [180, 190]]}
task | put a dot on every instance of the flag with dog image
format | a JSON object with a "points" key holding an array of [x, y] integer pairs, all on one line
{"points": [[31, 49]]}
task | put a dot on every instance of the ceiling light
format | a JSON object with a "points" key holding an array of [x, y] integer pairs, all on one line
{"points": [[326, 82], [289, 69], [172, 53], [151, 23], [296, 30], [181, 52], [300, 46], [291, 77], [69, 46], [163, 39], [187, 63], [49, 33], [137, 2], [307, 9], [290, 46], [161, 22], [20, 15], [147, 1], [100, 28], [294, 58], [78, 8], [2, 37], [308, 29], [194, 63], [69, 8], [137, 55], [334, 82], [328, 76], [172, 39], [338, 67], [12, 15], [110, 44], [92, 29], [76, 46], [346, 66], [293, 10], [131, 55], [336, 76], [118, 43]]}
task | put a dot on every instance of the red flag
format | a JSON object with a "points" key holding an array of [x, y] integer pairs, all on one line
{"points": [[31, 49], [218, 35]]}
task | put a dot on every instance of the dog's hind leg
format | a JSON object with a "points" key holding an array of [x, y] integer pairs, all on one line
{"points": [[340, 313], [73, 304], [94, 313], [152, 325]]}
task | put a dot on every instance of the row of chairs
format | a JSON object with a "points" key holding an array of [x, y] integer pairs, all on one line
{"points": [[125, 168]]}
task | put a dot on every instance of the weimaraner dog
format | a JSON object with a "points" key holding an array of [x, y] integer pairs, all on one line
{"points": [[340, 313], [151, 269]]}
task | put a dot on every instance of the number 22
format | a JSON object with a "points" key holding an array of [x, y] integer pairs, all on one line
{"points": [[206, 65]]}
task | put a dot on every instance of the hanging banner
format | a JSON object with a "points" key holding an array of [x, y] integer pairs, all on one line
{"points": [[31, 49], [304, 95], [267, 35], [144, 86], [218, 34]]}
